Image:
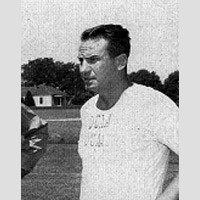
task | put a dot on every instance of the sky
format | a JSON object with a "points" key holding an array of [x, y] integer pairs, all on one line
{"points": [[52, 28]]}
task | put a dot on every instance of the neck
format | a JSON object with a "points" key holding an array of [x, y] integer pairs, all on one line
{"points": [[109, 96]]}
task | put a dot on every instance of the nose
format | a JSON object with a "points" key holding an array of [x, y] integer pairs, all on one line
{"points": [[85, 69]]}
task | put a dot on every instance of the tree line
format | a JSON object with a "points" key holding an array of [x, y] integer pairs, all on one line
{"points": [[66, 77]]}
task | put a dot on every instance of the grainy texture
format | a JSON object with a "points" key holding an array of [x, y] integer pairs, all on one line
{"points": [[52, 29], [57, 113], [62, 131], [57, 175]]}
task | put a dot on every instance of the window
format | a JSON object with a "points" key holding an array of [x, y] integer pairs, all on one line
{"points": [[41, 100], [58, 101]]}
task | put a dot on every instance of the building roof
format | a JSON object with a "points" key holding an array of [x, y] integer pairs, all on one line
{"points": [[42, 90]]}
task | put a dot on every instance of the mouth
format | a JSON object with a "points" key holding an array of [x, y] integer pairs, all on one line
{"points": [[87, 80], [90, 83]]}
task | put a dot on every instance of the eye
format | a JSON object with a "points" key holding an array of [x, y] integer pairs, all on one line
{"points": [[92, 60]]}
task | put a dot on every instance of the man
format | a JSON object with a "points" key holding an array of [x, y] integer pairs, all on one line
{"points": [[34, 135], [127, 130]]}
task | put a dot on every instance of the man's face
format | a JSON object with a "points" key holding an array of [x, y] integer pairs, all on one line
{"points": [[96, 66]]}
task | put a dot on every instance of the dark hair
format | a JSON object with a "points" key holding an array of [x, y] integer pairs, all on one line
{"points": [[117, 37]]}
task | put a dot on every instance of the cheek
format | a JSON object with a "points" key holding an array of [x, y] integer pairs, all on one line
{"points": [[98, 70], [102, 71]]}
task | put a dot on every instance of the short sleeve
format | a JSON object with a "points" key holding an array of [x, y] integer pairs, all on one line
{"points": [[165, 123]]}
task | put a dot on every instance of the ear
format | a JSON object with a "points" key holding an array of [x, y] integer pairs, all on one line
{"points": [[121, 61]]}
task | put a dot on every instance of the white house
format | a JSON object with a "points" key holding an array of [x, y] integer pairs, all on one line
{"points": [[45, 96]]}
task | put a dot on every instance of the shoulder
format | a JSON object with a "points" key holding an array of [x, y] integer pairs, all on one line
{"points": [[150, 97], [149, 103], [26, 113], [156, 106], [29, 119], [89, 105]]}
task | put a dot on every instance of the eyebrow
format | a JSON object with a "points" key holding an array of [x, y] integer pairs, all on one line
{"points": [[89, 57]]}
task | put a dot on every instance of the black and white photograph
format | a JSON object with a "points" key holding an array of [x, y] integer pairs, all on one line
{"points": [[99, 100]]}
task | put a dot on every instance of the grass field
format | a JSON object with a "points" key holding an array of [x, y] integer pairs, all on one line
{"points": [[56, 176], [58, 113], [58, 173], [62, 132]]}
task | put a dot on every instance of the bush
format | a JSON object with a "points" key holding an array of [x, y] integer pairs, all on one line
{"points": [[29, 101]]}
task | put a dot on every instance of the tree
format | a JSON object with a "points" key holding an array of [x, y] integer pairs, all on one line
{"points": [[144, 77], [64, 76], [81, 98], [39, 71], [29, 101], [171, 86], [69, 79]]}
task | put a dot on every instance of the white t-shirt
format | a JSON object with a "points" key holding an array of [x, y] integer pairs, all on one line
{"points": [[124, 149]]}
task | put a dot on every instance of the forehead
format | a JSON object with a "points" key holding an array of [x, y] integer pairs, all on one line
{"points": [[93, 47]]}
